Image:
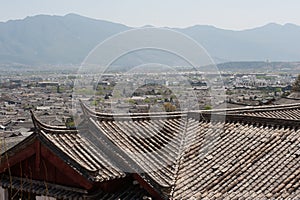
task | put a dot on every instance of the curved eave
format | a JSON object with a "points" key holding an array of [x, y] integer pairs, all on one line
{"points": [[43, 131], [130, 116], [40, 125]]}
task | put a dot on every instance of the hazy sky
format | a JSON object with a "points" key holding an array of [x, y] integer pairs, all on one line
{"points": [[228, 14]]}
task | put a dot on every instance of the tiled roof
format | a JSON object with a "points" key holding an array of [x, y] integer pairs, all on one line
{"points": [[291, 111], [242, 161], [79, 152], [184, 156], [200, 155]]}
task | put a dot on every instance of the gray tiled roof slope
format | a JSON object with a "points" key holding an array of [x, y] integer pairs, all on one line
{"points": [[194, 157], [291, 111], [242, 160]]}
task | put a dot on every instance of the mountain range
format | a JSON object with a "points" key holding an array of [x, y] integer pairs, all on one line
{"points": [[66, 40]]}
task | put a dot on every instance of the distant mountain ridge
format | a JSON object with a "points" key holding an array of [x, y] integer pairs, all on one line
{"points": [[63, 40], [44, 39]]}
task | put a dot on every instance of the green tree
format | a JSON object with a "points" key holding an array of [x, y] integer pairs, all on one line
{"points": [[278, 90], [70, 123], [147, 100], [131, 101], [207, 107]]}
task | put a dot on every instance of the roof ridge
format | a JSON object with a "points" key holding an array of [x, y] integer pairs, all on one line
{"points": [[247, 119], [108, 116], [40, 125], [132, 116], [181, 154], [266, 108]]}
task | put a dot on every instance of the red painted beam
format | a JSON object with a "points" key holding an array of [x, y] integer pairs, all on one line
{"points": [[23, 154], [37, 156], [65, 168], [40, 150]]}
